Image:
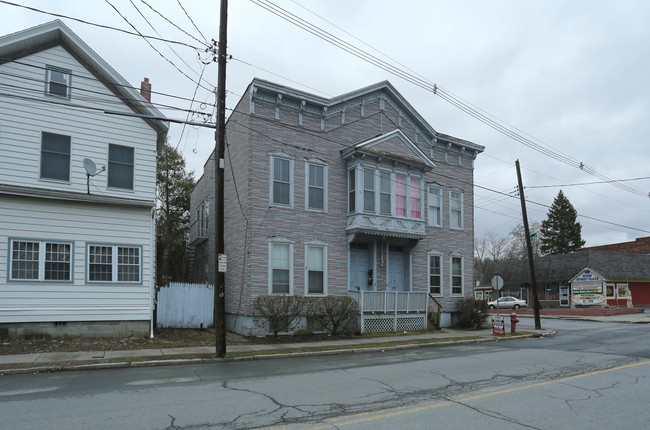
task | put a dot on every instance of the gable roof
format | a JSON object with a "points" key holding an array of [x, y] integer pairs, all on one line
{"points": [[54, 33], [415, 154], [564, 267], [383, 87]]}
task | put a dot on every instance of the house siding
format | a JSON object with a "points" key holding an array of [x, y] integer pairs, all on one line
{"points": [[303, 133], [80, 224], [22, 122], [37, 209]]}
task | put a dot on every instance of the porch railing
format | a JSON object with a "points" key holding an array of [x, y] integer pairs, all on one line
{"points": [[382, 311]]}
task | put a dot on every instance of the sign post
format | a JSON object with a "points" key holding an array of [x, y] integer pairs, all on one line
{"points": [[497, 284]]}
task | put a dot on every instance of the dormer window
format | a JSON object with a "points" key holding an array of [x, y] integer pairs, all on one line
{"points": [[57, 82]]}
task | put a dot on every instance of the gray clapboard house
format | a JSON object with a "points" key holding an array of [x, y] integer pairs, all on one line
{"points": [[76, 252], [353, 195]]}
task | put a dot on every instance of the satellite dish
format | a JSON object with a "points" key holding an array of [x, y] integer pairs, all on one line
{"points": [[90, 167]]}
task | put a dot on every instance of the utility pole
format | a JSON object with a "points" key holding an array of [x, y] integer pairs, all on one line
{"points": [[531, 262], [219, 164]]}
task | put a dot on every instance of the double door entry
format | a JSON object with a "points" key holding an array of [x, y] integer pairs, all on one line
{"points": [[362, 274]]}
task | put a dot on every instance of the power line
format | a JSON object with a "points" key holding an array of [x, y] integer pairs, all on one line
{"points": [[108, 27], [169, 21], [587, 183], [435, 89], [94, 99], [103, 81], [192, 21], [154, 48]]}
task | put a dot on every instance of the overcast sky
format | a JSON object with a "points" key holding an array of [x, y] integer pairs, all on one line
{"points": [[570, 76]]}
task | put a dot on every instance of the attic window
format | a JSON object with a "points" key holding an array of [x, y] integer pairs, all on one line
{"points": [[57, 82]]}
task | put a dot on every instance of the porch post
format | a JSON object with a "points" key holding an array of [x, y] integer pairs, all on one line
{"points": [[361, 311]]}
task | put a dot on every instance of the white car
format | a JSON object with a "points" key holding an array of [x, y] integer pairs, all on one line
{"points": [[507, 302]]}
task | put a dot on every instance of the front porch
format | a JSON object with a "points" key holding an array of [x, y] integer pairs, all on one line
{"points": [[391, 311]]}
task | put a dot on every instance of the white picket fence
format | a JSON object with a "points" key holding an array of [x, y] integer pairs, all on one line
{"points": [[181, 305]]}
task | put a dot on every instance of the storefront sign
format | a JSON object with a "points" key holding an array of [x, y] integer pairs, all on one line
{"points": [[587, 299], [578, 287], [498, 327]]}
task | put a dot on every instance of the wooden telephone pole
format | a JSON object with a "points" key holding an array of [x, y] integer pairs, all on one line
{"points": [[531, 262], [219, 164]]}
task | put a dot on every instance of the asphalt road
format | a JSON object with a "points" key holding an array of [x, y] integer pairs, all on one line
{"points": [[589, 375]]}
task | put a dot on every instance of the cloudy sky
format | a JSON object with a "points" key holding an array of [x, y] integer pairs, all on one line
{"points": [[569, 77]]}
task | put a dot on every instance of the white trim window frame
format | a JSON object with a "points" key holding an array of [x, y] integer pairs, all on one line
{"points": [[121, 167], [281, 180], [456, 212], [352, 190], [369, 190], [58, 82], [315, 269], [385, 192], [434, 205], [435, 273], [316, 183], [55, 156], [33, 260], [114, 264], [280, 273], [456, 278]]}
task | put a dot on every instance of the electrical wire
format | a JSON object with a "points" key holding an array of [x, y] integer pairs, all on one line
{"points": [[192, 21], [108, 27], [88, 78], [154, 48], [441, 92], [172, 23]]}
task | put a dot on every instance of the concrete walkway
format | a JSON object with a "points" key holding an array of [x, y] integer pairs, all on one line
{"points": [[56, 361]]}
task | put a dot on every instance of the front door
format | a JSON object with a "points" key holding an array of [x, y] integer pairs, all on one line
{"points": [[397, 269], [360, 267], [564, 296], [524, 295]]}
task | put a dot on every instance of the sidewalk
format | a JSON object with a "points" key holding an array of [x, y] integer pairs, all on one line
{"points": [[57, 361]]}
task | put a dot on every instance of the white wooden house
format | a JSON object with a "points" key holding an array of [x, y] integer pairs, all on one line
{"points": [[77, 252]]}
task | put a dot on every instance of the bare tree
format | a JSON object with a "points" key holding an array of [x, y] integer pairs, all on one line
{"points": [[516, 245]]}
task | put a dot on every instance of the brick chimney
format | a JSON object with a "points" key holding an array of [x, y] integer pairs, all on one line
{"points": [[145, 89]]}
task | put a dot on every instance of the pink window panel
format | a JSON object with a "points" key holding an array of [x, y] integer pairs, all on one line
{"points": [[400, 195], [415, 198]]}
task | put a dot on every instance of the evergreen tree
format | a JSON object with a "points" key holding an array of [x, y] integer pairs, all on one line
{"points": [[174, 186], [560, 232]]}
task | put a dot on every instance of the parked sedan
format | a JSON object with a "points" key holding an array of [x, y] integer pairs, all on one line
{"points": [[507, 302]]}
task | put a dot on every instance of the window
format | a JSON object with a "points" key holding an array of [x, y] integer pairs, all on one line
{"points": [[456, 276], [202, 218], [400, 195], [280, 256], [120, 166], [316, 188], [114, 263], [435, 206], [316, 257], [281, 174], [41, 261], [57, 82], [369, 190], [456, 209], [384, 192], [415, 197], [55, 156], [351, 191], [435, 275]]}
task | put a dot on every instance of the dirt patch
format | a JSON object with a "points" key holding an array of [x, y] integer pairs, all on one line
{"points": [[164, 338]]}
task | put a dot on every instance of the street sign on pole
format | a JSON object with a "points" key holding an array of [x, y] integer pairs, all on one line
{"points": [[497, 282]]}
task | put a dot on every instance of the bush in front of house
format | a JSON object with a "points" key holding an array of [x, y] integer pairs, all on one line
{"points": [[280, 312], [335, 314], [472, 313]]}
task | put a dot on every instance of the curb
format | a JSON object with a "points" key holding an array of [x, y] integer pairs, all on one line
{"points": [[173, 362]]}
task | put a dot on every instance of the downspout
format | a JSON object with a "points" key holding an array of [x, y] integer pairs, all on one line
{"points": [[152, 284]]}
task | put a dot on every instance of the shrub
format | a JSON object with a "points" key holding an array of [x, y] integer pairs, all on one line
{"points": [[280, 312], [472, 313], [334, 313]]}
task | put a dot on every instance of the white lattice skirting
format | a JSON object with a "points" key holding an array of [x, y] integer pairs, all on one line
{"points": [[387, 323]]}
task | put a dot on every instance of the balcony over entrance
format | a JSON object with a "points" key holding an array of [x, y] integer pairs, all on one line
{"points": [[385, 226]]}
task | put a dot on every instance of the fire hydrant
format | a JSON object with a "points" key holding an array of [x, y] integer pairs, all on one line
{"points": [[513, 323]]}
